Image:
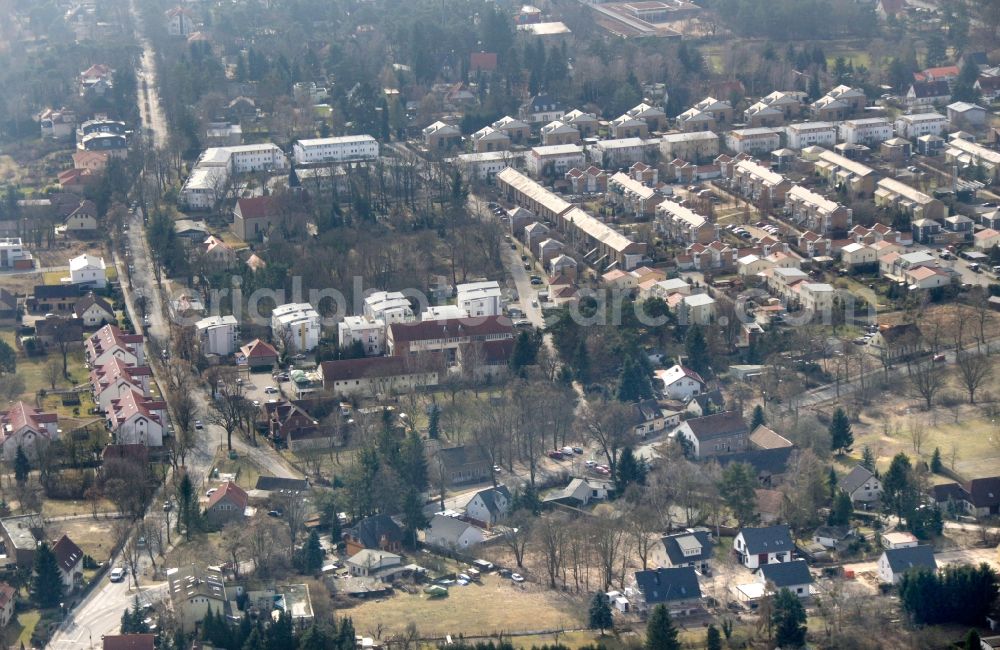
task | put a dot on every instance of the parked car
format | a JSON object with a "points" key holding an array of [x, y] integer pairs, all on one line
{"points": [[117, 574], [940, 358], [270, 390], [567, 451], [578, 450], [517, 577], [198, 425], [555, 454]]}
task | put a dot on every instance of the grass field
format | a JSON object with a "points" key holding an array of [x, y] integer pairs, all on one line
{"points": [[32, 370], [95, 537], [495, 606]]}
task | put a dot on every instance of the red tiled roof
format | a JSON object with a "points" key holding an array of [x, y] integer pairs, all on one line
{"points": [[21, 415], [257, 348], [258, 207], [230, 492], [451, 328], [135, 403]]}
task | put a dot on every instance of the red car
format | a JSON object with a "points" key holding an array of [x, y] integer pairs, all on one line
{"points": [[556, 454]]}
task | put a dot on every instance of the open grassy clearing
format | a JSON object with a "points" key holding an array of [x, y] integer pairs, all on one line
{"points": [[95, 537], [495, 606]]}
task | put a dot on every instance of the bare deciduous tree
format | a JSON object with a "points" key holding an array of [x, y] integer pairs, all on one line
{"points": [[516, 533], [228, 409], [926, 381], [550, 535], [610, 425], [974, 369]]}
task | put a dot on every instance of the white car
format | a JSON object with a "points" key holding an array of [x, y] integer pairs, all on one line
{"points": [[117, 574], [270, 390], [517, 577], [198, 425], [211, 492]]}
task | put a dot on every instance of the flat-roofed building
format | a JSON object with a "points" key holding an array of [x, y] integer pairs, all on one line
{"points": [[622, 153], [348, 148], [554, 160], [753, 141], [810, 134], [868, 131], [919, 124], [694, 147]]}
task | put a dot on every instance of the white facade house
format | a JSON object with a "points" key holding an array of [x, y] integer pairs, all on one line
{"points": [[369, 331], [809, 134], [759, 546], [480, 298], [893, 563], [451, 533], [699, 309], [554, 159], [918, 124], [218, 335], [867, 131], [204, 187], [88, 270], [753, 141], [388, 307], [249, 158], [680, 383], [349, 148], [137, 420], [297, 325], [857, 253], [13, 254], [206, 184], [487, 164]]}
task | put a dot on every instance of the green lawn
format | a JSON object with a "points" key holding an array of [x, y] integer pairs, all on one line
{"points": [[32, 370], [26, 623]]}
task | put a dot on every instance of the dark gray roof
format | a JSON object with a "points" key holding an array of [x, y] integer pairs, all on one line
{"points": [[927, 89], [462, 455], [275, 483], [913, 557], [856, 478], [720, 425], [772, 539], [672, 546], [713, 396], [448, 527], [648, 410], [371, 530], [787, 574], [833, 532], [665, 585], [764, 461], [56, 291], [489, 498]]}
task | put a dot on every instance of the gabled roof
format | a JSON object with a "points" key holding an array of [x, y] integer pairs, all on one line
{"points": [[21, 415], [489, 498], [449, 527], [461, 455], [230, 492], [765, 438], [678, 372], [929, 89], [451, 328], [258, 207], [68, 554], [787, 574], [911, 557], [855, 478], [984, 492], [719, 425], [666, 585], [764, 461], [88, 301], [258, 349], [771, 539], [371, 530]]}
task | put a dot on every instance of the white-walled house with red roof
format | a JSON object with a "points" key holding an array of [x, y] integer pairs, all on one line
{"points": [[26, 427], [112, 380], [680, 383], [110, 342], [136, 420]]}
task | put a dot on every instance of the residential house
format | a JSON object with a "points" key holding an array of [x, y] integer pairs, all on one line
{"points": [[715, 435], [587, 181], [290, 423], [515, 129], [753, 141], [27, 428], [218, 335], [218, 253], [753, 181], [8, 305], [136, 419], [580, 492], [57, 124], [913, 203], [893, 563], [485, 166], [558, 132], [691, 548], [896, 342], [698, 309], [833, 537], [554, 160], [811, 134], [452, 534], [88, 270], [759, 114], [257, 354], [254, 218], [377, 532], [540, 109], [855, 254], [296, 326], [112, 380], [721, 111], [227, 504], [861, 485], [21, 534], [563, 265], [367, 331], [979, 497], [793, 576], [69, 559], [489, 139], [927, 93], [446, 336], [839, 104], [680, 383], [965, 115], [770, 505], [857, 179], [970, 154], [83, 219], [696, 146], [655, 118], [483, 298], [685, 225], [13, 254], [586, 124], [650, 419], [342, 149], [867, 131], [489, 507], [930, 145], [919, 124], [676, 588], [180, 22], [194, 590], [815, 212], [770, 465], [626, 126], [370, 563], [441, 137], [637, 200], [960, 226], [388, 306], [757, 547], [988, 88], [621, 153], [381, 375], [460, 464], [986, 239], [8, 601], [549, 249], [896, 150], [814, 245], [94, 311]]}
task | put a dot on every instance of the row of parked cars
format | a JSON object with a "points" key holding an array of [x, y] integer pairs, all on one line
{"points": [[565, 452]]}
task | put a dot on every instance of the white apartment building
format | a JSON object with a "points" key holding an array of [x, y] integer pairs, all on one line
{"points": [[348, 148], [88, 270], [554, 160], [388, 307], [480, 298], [754, 141], [13, 254], [204, 187], [918, 124], [808, 134], [694, 147], [297, 325], [621, 152], [487, 164], [206, 184], [369, 331], [257, 158], [868, 131], [218, 335]]}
